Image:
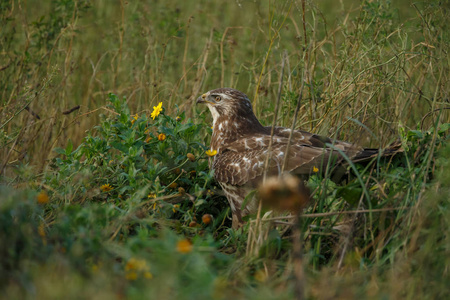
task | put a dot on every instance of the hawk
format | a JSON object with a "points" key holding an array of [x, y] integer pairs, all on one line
{"points": [[242, 146]]}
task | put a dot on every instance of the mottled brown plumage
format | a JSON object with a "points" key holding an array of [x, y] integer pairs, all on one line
{"points": [[242, 145]]}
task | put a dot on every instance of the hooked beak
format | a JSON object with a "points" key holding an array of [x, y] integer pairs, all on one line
{"points": [[202, 99]]}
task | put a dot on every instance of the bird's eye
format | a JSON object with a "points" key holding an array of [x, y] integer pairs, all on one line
{"points": [[218, 98]]}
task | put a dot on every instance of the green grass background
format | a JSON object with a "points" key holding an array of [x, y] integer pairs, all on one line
{"points": [[372, 70]]}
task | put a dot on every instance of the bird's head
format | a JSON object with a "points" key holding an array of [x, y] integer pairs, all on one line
{"points": [[226, 102]]}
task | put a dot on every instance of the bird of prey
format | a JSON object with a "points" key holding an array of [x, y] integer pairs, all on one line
{"points": [[242, 146]]}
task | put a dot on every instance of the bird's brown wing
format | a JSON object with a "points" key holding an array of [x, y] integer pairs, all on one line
{"points": [[315, 140], [244, 160]]}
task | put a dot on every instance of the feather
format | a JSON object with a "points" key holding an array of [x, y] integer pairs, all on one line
{"points": [[242, 146]]}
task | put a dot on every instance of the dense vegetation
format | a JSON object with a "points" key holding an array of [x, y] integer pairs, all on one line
{"points": [[105, 188]]}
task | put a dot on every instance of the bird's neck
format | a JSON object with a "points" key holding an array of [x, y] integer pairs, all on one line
{"points": [[228, 129]]}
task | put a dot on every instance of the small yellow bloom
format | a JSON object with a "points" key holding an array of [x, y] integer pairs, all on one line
{"points": [[161, 137], [315, 169], [184, 246], [178, 119], [151, 195], [207, 219], [134, 119], [131, 275], [106, 187], [42, 198], [135, 264], [175, 207], [131, 264], [156, 110], [211, 152]]}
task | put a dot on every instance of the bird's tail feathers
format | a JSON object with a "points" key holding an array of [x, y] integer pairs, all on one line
{"points": [[370, 153]]}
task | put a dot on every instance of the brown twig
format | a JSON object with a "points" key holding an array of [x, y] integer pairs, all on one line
{"points": [[430, 113], [69, 111], [28, 109]]}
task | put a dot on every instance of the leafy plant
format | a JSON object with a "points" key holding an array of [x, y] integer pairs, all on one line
{"points": [[134, 161]]}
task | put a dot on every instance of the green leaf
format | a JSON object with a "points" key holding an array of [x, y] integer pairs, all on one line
{"points": [[415, 133], [119, 146], [444, 127], [60, 151], [351, 194], [69, 147]]}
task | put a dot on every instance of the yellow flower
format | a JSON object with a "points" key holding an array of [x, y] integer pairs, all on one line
{"points": [[184, 246], [42, 198], [134, 119], [136, 264], [175, 207], [106, 187], [134, 267], [151, 195], [315, 169], [207, 219], [211, 152], [131, 275], [178, 119], [156, 110], [161, 137]]}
